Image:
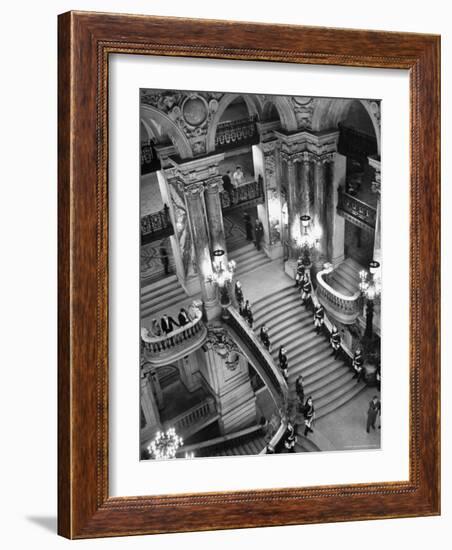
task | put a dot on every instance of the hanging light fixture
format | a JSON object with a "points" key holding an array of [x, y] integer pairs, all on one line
{"points": [[165, 445], [222, 275]]}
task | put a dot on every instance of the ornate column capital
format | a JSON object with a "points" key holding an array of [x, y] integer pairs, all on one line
{"points": [[194, 190], [212, 185]]}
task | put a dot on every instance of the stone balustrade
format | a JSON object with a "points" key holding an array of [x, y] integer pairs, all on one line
{"points": [[186, 421], [159, 350], [344, 308]]}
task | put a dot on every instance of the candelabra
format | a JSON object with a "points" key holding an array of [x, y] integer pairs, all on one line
{"points": [[222, 276], [370, 287], [165, 445], [309, 239]]}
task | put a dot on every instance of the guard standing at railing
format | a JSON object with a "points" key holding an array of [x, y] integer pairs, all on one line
{"points": [[319, 318], [283, 362], [290, 439], [306, 290], [300, 272], [264, 337], [239, 294], [358, 365], [335, 341]]}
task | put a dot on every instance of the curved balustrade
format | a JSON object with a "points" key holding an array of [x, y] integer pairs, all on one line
{"points": [[158, 350], [236, 133], [260, 359], [345, 308]]}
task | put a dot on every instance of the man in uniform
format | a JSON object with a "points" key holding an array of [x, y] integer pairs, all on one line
{"points": [[319, 315], [358, 365], [228, 187], [335, 341], [372, 413], [238, 293], [305, 290], [264, 337]]}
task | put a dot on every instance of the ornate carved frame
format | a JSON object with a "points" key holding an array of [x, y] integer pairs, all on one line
{"points": [[86, 40]]}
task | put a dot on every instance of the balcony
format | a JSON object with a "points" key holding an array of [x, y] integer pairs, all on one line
{"points": [[345, 309], [156, 226], [356, 211], [178, 343], [247, 194], [236, 133]]}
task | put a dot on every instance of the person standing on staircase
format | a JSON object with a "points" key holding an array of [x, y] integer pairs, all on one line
{"points": [[259, 233], [291, 438], [300, 272], [309, 416], [245, 310], [264, 337], [299, 390], [238, 294], [249, 317], [306, 289], [372, 413], [319, 316], [358, 365], [248, 226], [164, 258], [335, 341], [283, 362]]}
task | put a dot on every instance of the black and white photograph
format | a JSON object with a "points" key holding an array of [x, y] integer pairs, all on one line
{"points": [[260, 274]]}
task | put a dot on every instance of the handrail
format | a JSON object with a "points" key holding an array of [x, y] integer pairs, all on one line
{"points": [[356, 208], [264, 365], [249, 190], [183, 420], [222, 439]]}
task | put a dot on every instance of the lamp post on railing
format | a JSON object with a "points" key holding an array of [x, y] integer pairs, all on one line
{"points": [[370, 287], [222, 277], [309, 239]]}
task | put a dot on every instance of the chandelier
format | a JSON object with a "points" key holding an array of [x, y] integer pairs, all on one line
{"points": [[222, 276], [165, 445], [309, 238]]}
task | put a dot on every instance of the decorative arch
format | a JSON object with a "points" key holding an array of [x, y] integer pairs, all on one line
{"points": [[329, 112], [254, 108], [161, 124], [285, 112]]}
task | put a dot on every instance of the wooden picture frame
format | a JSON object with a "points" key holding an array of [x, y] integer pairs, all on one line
{"points": [[86, 40]]}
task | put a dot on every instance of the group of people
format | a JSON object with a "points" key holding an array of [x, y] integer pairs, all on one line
{"points": [[167, 324], [232, 181]]}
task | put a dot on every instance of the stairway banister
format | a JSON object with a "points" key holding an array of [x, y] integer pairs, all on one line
{"points": [[270, 370], [321, 281], [221, 439], [210, 401]]}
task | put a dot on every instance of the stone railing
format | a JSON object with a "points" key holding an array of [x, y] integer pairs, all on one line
{"points": [[191, 418], [344, 308], [206, 448], [156, 226], [236, 133], [259, 358], [158, 350], [356, 211], [250, 192]]}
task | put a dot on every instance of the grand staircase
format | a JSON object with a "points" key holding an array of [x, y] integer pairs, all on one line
{"points": [[329, 381], [159, 296], [345, 278], [248, 259]]}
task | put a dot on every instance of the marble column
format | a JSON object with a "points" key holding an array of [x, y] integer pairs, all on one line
{"points": [[305, 195], [215, 215], [376, 187], [195, 205], [336, 223], [319, 214], [149, 405], [293, 217]]}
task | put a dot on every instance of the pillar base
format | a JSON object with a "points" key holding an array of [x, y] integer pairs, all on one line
{"points": [[290, 267], [274, 251]]}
